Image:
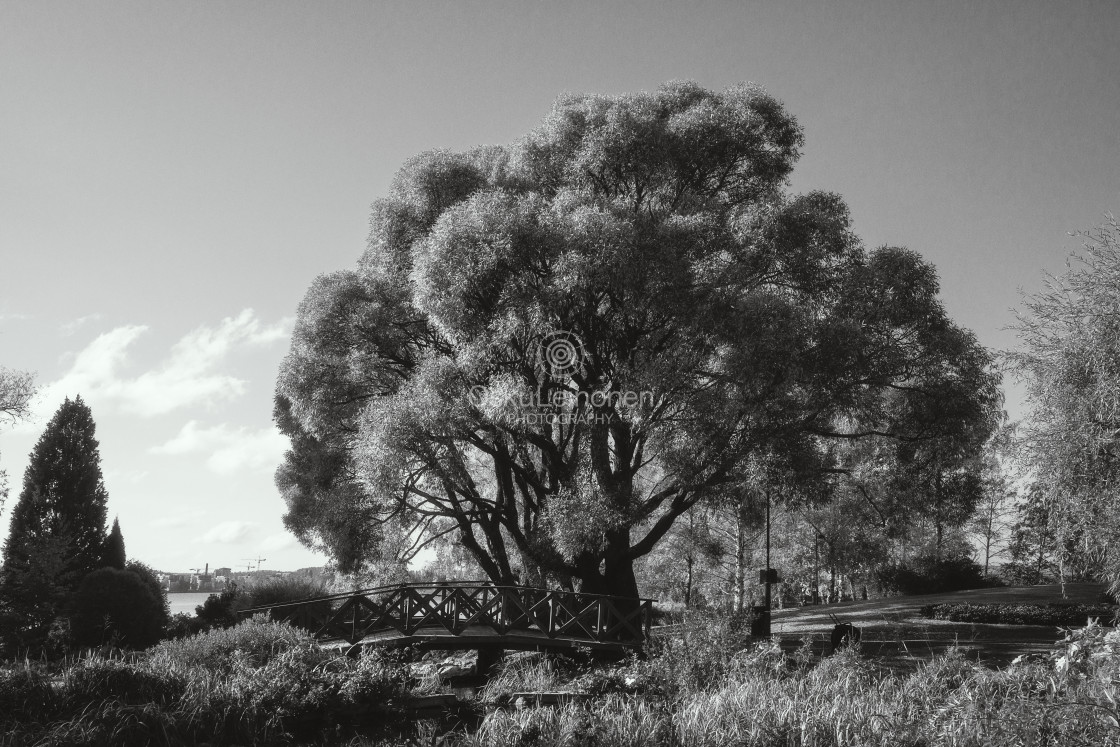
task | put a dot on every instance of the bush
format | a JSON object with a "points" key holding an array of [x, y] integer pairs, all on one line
{"points": [[221, 610], [25, 697], [151, 580], [929, 575], [293, 589], [1052, 615], [112, 605], [257, 640]]}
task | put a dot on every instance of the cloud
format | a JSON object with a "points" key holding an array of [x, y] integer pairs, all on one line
{"points": [[227, 532], [276, 542], [69, 328], [230, 449], [176, 520], [189, 375]]}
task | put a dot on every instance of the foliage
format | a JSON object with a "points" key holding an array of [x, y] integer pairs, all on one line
{"points": [[114, 556], [151, 580], [58, 525], [117, 606], [1053, 615], [932, 575], [257, 639], [553, 350], [1069, 697], [221, 610], [1069, 360], [17, 388], [292, 588], [274, 688], [1034, 550]]}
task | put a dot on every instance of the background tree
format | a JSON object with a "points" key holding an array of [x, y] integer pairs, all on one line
{"points": [[57, 530], [1034, 549], [1069, 359], [114, 548], [474, 374], [991, 524], [17, 388]]}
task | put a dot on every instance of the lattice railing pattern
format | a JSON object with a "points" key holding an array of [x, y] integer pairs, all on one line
{"points": [[456, 606]]}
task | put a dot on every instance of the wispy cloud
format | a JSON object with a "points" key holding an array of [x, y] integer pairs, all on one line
{"points": [[190, 375], [276, 542], [230, 449], [227, 532], [69, 328], [179, 519]]}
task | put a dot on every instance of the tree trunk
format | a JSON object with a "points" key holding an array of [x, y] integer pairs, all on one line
{"points": [[689, 561], [738, 602]]}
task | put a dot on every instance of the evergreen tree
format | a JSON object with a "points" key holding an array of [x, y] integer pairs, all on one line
{"points": [[114, 547], [57, 533]]}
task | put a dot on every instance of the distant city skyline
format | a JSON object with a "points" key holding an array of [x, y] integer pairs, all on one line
{"points": [[175, 175]]}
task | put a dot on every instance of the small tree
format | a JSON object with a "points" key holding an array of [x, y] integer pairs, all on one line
{"points": [[114, 547], [1034, 546]]}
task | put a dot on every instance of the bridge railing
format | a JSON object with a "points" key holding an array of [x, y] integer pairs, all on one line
{"points": [[456, 606]]}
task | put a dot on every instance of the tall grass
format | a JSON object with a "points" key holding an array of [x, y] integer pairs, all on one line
{"points": [[761, 696], [257, 683]]}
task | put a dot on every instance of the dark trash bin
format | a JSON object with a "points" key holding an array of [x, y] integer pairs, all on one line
{"points": [[760, 622], [845, 634]]}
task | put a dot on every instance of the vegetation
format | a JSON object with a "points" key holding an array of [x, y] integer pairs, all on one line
{"points": [[266, 683], [258, 683], [1054, 615], [552, 351], [114, 548], [1068, 360], [117, 606], [16, 390], [57, 534]]}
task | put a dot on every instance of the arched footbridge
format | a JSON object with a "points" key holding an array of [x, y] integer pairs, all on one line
{"points": [[471, 615]]}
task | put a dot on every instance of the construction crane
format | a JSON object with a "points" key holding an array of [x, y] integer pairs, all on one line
{"points": [[257, 560]]}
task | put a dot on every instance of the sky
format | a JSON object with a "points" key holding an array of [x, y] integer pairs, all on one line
{"points": [[174, 175]]}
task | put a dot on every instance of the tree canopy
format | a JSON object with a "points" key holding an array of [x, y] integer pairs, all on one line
{"points": [[57, 530], [16, 391], [554, 349], [1069, 360]]}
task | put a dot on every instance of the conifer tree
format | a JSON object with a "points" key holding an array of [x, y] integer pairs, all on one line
{"points": [[114, 547], [57, 531]]}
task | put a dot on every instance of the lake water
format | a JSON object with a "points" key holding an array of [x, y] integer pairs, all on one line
{"points": [[186, 601]]}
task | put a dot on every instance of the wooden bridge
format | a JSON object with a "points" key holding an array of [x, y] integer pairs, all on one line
{"points": [[471, 615]]}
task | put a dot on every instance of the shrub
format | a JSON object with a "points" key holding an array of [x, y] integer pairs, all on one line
{"points": [[221, 610], [96, 679], [293, 589], [1052, 615], [25, 697], [929, 575], [258, 640], [112, 604], [151, 580]]}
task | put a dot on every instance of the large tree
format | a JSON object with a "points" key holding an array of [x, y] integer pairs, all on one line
{"points": [[553, 350], [1069, 360], [57, 531]]}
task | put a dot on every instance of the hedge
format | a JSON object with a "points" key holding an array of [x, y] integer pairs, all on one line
{"points": [[1053, 615]]}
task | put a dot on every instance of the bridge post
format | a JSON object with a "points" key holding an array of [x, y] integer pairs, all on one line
{"points": [[486, 664]]}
